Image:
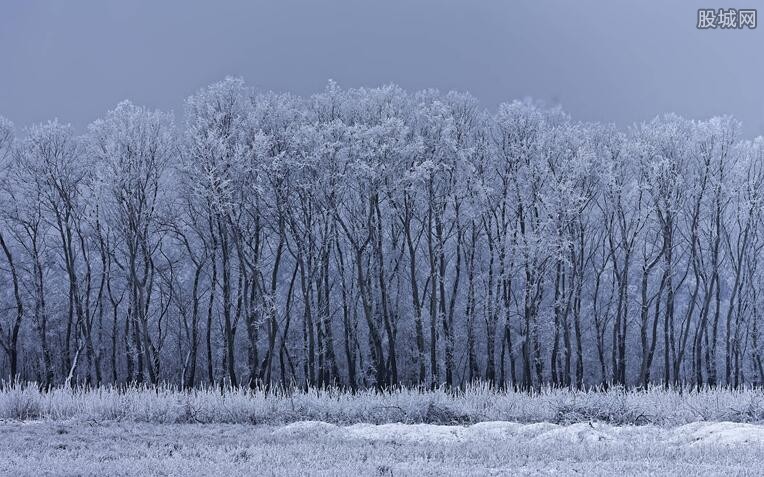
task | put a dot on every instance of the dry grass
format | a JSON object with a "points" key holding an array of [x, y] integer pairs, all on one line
{"points": [[164, 405]]}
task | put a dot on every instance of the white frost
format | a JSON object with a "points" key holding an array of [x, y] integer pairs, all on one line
{"points": [[724, 433], [692, 435]]}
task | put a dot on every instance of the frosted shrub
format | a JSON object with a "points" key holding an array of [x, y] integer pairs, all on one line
{"points": [[168, 405], [21, 403]]}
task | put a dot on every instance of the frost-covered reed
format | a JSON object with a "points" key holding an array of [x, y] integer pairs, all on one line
{"points": [[474, 404]]}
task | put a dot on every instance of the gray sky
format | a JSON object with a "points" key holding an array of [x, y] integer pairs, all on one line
{"points": [[602, 60]]}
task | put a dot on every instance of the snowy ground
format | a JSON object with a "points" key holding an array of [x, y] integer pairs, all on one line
{"points": [[317, 448]]}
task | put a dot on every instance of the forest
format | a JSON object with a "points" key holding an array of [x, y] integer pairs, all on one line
{"points": [[377, 238]]}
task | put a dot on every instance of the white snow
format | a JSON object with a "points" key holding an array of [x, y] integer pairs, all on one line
{"points": [[695, 434], [308, 430], [319, 448], [717, 433], [411, 433]]}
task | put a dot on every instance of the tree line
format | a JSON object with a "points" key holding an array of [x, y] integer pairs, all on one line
{"points": [[376, 238]]}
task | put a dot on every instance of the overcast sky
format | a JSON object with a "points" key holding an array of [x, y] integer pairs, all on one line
{"points": [[602, 60]]}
